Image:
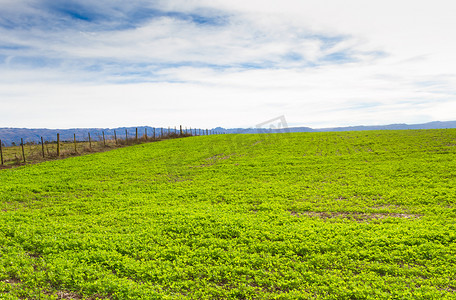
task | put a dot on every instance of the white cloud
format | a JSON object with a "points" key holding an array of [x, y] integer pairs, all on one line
{"points": [[319, 63]]}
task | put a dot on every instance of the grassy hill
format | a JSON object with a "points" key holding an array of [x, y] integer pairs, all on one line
{"points": [[342, 215]]}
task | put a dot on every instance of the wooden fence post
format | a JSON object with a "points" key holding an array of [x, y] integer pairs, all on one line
{"points": [[42, 146], [207, 132], [161, 133], [136, 136], [58, 144], [180, 130], [126, 136], [154, 133], [47, 148], [1, 152], [90, 142], [104, 141], [115, 136], [145, 133], [74, 138], [23, 153]]}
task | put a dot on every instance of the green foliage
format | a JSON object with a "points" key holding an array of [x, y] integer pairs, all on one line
{"points": [[352, 215]]}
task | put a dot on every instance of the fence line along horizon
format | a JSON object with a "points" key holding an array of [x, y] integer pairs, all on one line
{"points": [[32, 151]]}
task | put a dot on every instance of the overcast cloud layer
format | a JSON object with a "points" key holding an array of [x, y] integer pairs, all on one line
{"points": [[230, 63]]}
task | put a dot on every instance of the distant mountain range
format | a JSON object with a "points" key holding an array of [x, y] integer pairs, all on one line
{"points": [[9, 136], [430, 125]]}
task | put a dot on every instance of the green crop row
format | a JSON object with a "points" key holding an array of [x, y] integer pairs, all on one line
{"points": [[349, 215]]}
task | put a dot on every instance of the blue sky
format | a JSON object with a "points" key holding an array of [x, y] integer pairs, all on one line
{"points": [[202, 63]]}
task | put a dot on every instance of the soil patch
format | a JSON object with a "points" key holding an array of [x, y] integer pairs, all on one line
{"points": [[357, 216]]}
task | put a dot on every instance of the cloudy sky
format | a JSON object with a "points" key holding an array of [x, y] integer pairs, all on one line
{"points": [[229, 63]]}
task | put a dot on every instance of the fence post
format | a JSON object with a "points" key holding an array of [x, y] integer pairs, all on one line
{"points": [[90, 142], [42, 146], [74, 138], [47, 148], [180, 130], [1, 152], [23, 153], [58, 144], [136, 136], [115, 136], [154, 133], [161, 133], [104, 141], [126, 136], [207, 132], [145, 133]]}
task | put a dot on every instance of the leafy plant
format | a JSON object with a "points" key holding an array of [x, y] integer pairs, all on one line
{"points": [[349, 215]]}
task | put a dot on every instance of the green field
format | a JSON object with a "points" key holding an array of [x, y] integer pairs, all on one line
{"points": [[350, 215]]}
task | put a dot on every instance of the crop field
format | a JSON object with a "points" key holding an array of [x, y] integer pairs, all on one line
{"points": [[344, 215]]}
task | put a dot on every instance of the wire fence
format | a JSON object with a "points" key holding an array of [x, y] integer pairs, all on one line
{"points": [[34, 151]]}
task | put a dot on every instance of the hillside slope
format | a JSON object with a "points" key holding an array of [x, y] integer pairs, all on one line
{"points": [[346, 215], [10, 135]]}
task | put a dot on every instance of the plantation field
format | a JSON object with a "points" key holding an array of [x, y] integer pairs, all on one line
{"points": [[342, 215]]}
